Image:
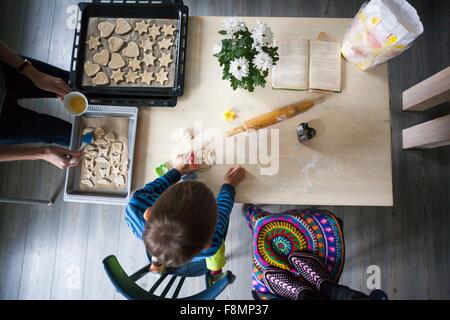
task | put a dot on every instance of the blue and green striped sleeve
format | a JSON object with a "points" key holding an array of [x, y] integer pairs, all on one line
{"points": [[145, 198]]}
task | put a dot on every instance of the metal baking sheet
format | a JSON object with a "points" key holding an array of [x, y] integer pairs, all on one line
{"points": [[72, 191]]}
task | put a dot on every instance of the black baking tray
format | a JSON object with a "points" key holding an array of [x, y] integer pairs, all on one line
{"points": [[134, 96]]}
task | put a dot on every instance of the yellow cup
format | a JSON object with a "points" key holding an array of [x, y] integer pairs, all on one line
{"points": [[75, 103]]}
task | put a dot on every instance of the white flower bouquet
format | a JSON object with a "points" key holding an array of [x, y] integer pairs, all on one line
{"points": [[246, 55]]}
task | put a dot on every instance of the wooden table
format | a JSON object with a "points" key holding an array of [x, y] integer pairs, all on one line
{"points": [[347, 163]]}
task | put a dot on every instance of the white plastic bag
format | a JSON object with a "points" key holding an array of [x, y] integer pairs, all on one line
{"points": [[381, 30]]}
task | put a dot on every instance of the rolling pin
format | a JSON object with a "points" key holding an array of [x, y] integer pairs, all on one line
{"points": [[272, 117]]}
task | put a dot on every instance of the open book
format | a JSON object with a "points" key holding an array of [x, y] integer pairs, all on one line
{"points": [[308, 64]]}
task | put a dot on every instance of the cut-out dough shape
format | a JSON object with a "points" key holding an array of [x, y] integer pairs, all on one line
{"points": [[115, 168], [115, 44], [102, 58], [102, 160], [115, 157], [166, 43], [91, 69], [91, 154], [117, 61], [119, 180], [149, 59], [101, 142], [123, 26], [105, 172], [106, 29], [104, 181], [165, 60], [88, 182], [100, 79], [99, 132], [168, 30], [117, 76], [153, 31], [147, 77], [89, 174], [161, 76], [141, 27], [103, 150], [134, 64], [147, 45], [90, 147], [117, 146], [94, 43], [89, 163], [110, 137], [132, 76], [131, 50]]}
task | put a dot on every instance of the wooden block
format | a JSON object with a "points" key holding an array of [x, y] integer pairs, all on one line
{"points": [[428, 93], [431, 134]]}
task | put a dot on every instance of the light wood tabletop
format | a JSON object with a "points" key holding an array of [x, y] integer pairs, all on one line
{"points": [[347, 163]]}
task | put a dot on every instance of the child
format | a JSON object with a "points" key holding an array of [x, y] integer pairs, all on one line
{"points": [[180, 222]]}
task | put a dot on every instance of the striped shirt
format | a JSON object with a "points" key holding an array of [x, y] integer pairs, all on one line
{"points": [[147, 196]]}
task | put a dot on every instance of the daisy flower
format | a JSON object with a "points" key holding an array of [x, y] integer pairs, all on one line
{"points": [[262, 34], [233, 25], [217, 48], [239, 68], [263, 61]]}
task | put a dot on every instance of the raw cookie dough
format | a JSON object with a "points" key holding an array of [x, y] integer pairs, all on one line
{"points": [[93, 43], [161, 76], [147, 45], [149, 59], [102, 58], [117, 61], [100, 79], [154, 32], [117, 76], [134, 64], [123, 26], [168, 30], [115, 44], [131, 50], [147, 77], [132, 76], [166, 43], [141, 27], [106, 29], [91, 69], [166, 59], [88, 182], [110, 137]]}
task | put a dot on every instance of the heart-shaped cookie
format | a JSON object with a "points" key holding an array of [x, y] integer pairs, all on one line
{"points": [[116, 62], [100, 79], [115, 44], [102, 58], [123, 26], [106, 29], [132, 50], [91, 69]]}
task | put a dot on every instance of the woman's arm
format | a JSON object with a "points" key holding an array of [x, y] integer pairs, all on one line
{"points": [[54, 155], [41, 80]]}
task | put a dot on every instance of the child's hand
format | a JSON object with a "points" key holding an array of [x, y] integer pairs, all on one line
{"points": [[184, 165], [235, 176]]}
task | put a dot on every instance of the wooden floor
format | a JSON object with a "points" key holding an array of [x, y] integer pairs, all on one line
{"points": [[56, 252]]}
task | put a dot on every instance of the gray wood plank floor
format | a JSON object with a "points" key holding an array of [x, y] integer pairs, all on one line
{"points": [[56, 252]]}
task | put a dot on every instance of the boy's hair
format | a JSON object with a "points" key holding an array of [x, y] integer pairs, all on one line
{"points": [[182, 222]]}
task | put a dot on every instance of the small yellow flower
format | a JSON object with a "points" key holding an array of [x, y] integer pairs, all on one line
{"points": [[230, 115]]}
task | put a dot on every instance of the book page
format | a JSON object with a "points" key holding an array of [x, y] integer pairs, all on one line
{"points": [[325, 66], [291, 71]]}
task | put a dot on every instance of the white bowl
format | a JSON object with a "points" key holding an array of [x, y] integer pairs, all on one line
{"points": [[69, 97]]}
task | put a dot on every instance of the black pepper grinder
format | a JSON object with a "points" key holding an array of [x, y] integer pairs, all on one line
{"points": [[305, 133]]}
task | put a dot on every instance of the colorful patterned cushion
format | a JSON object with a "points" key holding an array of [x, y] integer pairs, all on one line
{"points": [[275, 236]]}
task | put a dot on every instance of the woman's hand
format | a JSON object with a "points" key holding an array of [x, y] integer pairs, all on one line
{"points": [[184, 164], [46, 82], [235, 176], [62, 158]]}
